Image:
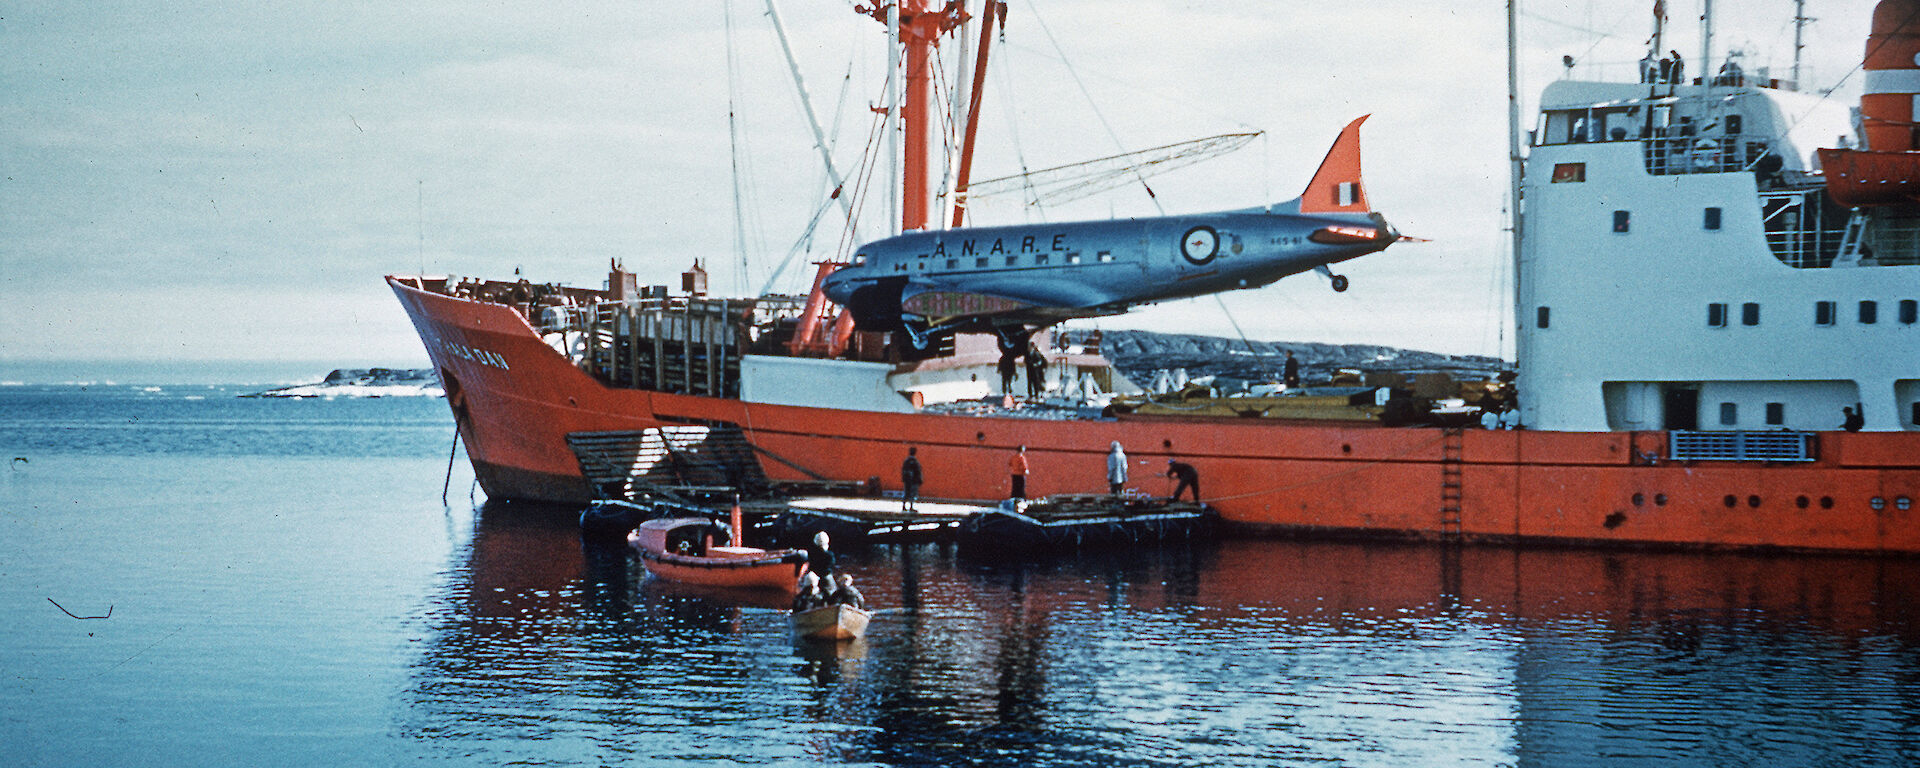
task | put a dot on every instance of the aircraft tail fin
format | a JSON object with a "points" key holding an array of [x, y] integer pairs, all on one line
{"points": [[1336, 186]]}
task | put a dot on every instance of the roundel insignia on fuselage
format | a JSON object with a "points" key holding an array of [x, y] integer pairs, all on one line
{"points": [[1200, 244]]}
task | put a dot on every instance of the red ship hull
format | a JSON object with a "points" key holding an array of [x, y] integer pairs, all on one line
{"points": [[516, 399]]}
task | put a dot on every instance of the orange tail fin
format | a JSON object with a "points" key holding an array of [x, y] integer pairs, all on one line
{"points": [[1336, 186]]}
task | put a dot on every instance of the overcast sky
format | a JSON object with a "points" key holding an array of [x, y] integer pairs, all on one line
{"points": [[192, 184]]}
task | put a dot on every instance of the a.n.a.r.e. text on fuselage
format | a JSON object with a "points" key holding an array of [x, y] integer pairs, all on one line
{"points": [[1014, 278]]}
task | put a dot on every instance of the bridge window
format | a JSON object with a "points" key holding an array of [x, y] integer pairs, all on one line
{"points": [[1621, 220], [1749, 314], [1823, 313], [1541, 316], [1711, 219], [1908, 310], [1729, 414], [1716, 315], [1776, 414], [1869, 312]]}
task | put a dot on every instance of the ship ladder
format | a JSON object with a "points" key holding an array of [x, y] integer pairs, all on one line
{"points": [[1450, 474], [1853, 238]]}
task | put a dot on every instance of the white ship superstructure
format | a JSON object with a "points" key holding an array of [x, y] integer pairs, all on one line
{"points": [[1683, 267]]}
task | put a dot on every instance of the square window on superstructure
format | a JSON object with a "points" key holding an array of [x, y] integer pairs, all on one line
{"points": [[1013, 261], [1776, 414], [1104, 257], [1823, 313], [953, 263], [1729, 414], [1750, 314], [980, 262], [1908, 309], [1869, 312], [1073, 258], [1040, 258], [1914, 417], [1711, 219], [1542, 316], [1622, 220], [1716, 315]]}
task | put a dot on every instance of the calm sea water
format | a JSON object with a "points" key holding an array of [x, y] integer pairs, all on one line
{"points": [[286, 587]]}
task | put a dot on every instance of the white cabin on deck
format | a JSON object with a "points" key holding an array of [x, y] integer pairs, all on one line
{"points": [[1682, 267]]}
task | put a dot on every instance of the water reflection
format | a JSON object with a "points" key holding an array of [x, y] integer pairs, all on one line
{"points": [[546, 648]]}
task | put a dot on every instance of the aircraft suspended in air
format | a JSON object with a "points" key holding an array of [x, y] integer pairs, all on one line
{"points": [[1013, 280]]}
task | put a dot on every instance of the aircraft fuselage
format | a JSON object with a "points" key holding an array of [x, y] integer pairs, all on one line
{"points": [[1042, 273]]}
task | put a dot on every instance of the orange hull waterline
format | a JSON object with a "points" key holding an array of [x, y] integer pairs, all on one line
{"points": [[516, 399]]}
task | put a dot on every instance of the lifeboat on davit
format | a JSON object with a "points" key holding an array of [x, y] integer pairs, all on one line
{"points": [[1887, 172]]}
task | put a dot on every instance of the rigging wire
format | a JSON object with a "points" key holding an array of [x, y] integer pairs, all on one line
{"points": [[1098, 115], [733, 143]]}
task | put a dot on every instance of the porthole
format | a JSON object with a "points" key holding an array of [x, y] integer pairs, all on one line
{"points": [[1639, 499], [1826, 502], [979, 437], [1659, 499], [1730, 501], [1753, 501], [1877, 503], [1902, 503], [1802, 502], [1346, 448], [1168, 444]]}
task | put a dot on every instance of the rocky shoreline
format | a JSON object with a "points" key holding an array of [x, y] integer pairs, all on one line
{"points": [[1139, 355]]}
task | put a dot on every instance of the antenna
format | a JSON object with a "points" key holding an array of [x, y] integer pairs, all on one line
{"points": [[1799, 28], [420, 221]]}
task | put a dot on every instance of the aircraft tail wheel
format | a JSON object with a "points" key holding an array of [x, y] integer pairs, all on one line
{"points": [[1339, 283]]}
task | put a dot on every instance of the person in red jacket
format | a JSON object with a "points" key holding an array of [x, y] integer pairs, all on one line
{"points": [[1017, 467]]}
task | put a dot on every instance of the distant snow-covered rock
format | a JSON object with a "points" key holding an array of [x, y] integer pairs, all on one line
{"points": [[366, 382]]}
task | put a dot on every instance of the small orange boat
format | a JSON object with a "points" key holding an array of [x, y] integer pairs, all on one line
{"points": [[683, 549]]}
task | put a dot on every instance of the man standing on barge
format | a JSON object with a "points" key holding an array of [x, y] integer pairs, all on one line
{"points": [[1186, 477], [910, 480], [1017, 468]]}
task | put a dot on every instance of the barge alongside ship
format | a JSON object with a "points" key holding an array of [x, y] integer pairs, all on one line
{"points": [[1695, 312]]}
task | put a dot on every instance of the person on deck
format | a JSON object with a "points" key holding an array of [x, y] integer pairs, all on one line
{"points": [[1185, 477], [1116, 468], [910, 480], [1291, 375], [1017, 469], [1851, 419], [1036, 371], [1007, 367]]}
